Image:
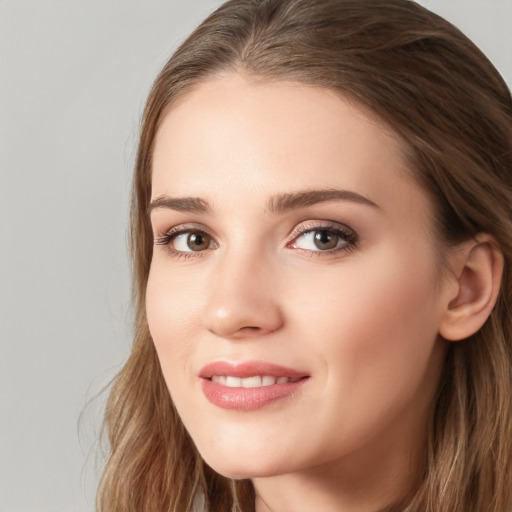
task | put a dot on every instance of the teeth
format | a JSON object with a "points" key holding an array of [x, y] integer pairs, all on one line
{"points": [[251, 382], [268, 381], [221, 379], [233, 382]]}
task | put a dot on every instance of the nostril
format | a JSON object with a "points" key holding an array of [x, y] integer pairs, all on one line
{"points": [[230, 316]]}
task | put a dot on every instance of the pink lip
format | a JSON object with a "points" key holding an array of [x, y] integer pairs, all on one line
{"points": [[248, 369], [248, 399]]}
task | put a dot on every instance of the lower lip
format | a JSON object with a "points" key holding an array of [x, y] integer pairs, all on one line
{"points": [[248, 399]]}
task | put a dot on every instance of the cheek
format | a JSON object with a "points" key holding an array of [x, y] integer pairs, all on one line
{"points": [[372, 295], [376, 325], [374, 335], [172, 320]]}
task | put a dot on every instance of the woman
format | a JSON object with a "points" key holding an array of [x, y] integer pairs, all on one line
{"points": [[321, 234]]}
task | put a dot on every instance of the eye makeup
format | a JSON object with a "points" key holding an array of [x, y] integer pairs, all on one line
{"points": [[323, 237], [313, 238]]}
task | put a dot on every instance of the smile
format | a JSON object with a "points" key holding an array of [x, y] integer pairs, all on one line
{"points": [[251, 382], [250, 385]]}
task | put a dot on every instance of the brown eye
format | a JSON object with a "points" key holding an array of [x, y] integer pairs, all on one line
{"points": [[198, 241], [325, 240], [189, 241]]}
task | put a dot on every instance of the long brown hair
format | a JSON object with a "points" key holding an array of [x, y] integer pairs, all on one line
{"points": [[453, 112]]}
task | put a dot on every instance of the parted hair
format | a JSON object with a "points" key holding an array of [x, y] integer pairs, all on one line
{"points": [[452, 112]]}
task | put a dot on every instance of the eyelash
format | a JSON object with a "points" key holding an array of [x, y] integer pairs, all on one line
{"points": [[346, 234], [173, 233]]}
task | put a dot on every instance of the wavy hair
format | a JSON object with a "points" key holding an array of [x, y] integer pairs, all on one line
{"points": [[453, 113]]}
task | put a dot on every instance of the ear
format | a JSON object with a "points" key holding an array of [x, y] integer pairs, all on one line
{"points": [[477, 268]]}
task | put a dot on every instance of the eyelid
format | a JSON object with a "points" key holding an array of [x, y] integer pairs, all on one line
{"points": [[312, 225], [342, 230], [169, 234], [348, 234]]}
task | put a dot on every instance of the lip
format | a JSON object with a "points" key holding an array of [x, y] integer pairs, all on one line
{"points": [[248, 399]]}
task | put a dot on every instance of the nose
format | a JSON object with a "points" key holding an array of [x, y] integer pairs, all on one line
{"points": [[243, 300]]}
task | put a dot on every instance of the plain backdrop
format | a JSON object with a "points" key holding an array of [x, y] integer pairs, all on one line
{"points": [[74, 75]]}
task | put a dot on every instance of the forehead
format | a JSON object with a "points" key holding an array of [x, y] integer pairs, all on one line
{"points": [[256, 138]]}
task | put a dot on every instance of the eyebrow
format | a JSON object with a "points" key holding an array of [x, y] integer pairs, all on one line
{"points": [[303, 199], [277, 204], [180, 204]]}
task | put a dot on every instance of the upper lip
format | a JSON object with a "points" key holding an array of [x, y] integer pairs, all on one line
{"points": [[248, 369]]}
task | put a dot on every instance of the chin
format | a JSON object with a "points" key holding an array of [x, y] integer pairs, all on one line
{"points": [[242, 467]]}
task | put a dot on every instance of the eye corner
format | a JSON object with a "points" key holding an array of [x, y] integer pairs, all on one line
{"points": [[322, 238], [186, 241], [161, 239]]}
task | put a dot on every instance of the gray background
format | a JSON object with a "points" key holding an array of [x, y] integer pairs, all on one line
{"points": [[73, 79]]}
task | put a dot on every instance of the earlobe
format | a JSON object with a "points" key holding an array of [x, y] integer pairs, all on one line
{"points": [[477, 271]]}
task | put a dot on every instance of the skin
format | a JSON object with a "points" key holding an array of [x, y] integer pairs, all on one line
{"points": [[361, 321]]}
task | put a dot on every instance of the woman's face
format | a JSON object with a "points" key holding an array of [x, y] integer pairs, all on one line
{"points": [[295, 291]]}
